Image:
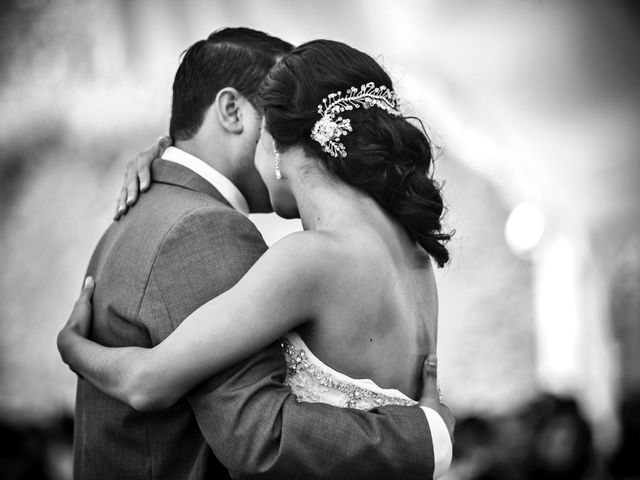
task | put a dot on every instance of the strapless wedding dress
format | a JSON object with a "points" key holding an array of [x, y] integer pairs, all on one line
{"points": [[313, 381]]}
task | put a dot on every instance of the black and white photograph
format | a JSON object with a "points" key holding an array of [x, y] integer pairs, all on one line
{"points": [[280, 239]]}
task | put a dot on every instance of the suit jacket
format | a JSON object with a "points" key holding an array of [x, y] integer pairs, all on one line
{"points": [[180, 246]]}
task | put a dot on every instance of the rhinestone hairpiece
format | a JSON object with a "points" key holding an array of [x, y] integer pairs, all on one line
{"points": [[331, 126]]}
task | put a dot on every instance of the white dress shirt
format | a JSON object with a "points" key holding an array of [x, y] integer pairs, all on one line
{"points": [[442, 447], [221, 183]]}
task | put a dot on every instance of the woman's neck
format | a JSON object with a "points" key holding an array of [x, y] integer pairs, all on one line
{"points": [[326, 202]]}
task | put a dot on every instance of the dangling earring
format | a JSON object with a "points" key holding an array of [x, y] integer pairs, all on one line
{"points": [[277, 161]]}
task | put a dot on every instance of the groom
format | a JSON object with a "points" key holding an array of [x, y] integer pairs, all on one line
{"points": [[187, 241]]}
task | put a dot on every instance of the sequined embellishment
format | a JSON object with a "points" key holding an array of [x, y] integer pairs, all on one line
{"points": [[312, 383]]}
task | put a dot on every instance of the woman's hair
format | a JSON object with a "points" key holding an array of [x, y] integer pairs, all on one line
{"points": [[387, 156]]}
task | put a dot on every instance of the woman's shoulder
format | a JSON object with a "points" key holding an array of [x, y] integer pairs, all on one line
{"points": [[316, 255], [313, 246], [300, 267]]}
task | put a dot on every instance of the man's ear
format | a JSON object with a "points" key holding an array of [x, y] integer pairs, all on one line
{"points": [[227, 104]]}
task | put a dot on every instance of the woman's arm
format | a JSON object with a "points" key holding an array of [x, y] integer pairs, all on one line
{"points": [[112, 370], [282, 290]]}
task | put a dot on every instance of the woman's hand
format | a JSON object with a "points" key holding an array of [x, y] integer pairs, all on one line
{"points": [[80, 319], [137, 177], [79, 323], [119, 372]]}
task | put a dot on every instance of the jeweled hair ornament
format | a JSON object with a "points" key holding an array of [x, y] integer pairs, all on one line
{"points": [[331, 127]]}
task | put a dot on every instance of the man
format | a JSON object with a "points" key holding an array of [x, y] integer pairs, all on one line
{"points": [[187, 241]]}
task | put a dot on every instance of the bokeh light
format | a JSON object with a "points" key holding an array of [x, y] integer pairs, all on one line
{"points": [[524, 228]]}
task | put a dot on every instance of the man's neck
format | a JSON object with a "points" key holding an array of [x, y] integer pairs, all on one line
{"points": [[208, 172], [219, 162]]}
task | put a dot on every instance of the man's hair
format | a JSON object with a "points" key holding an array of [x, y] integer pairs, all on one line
{"points": [[229, 57]]}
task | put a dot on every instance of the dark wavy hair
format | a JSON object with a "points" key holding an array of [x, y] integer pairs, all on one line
{"points": [[388, 157], [236, 57]]}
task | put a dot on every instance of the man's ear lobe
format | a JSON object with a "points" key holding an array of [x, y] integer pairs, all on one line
{"points": [[227, 104]]}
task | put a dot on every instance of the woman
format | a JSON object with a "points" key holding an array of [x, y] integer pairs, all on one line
{"points": [[353, 296]]}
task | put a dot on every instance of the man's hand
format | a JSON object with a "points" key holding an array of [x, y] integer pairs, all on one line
{"points": [[137, 177], [431, 396]]}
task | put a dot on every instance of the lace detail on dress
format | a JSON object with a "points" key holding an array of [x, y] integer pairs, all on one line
{"points": [[313, 381]]}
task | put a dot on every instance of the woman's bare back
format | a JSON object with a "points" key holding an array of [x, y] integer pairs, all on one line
{"points": [[381, 320]]}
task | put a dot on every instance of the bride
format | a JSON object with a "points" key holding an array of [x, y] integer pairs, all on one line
{"points": [[353, 296]]}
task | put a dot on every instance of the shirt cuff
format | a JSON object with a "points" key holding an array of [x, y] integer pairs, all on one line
{"points": [[442, 447]]}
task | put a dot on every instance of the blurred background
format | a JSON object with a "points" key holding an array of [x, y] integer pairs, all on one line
{"points": [[535, 109]]}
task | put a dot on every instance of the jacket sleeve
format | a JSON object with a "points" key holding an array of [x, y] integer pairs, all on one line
{"points": [[253, 423]]}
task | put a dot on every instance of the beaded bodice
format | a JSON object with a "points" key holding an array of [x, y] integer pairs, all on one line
{"points": [[313, 381]]}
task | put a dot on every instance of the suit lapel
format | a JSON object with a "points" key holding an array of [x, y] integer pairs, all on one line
{"points": [[170, 173]]}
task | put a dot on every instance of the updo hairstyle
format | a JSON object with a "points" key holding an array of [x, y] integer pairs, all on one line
{"points": [[388, 157]]}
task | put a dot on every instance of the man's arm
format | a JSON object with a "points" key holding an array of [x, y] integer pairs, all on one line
{"points": [[260, 430], [253, 423]]}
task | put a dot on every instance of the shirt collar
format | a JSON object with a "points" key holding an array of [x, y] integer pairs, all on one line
{"points": [[221, 183]]}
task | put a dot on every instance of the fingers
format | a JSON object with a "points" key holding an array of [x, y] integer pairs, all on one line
{"points": [[449, 420], [144, 170], [144, 176], [79, 322], [451, 424], [121, 206], [143, 165], [80, 319], [87, 288], [82, 308], [430, 374], [129, 193], [137, 177], [144, 160], [430, 380], [163, 143], [84, 301], [431, 396], [131, 183]]}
